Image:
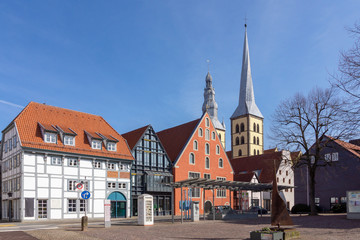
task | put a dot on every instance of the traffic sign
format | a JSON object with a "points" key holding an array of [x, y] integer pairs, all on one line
{"points": [[85, 195], [79, 186]]}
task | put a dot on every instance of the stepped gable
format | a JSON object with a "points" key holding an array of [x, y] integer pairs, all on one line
{"points": [[36, 115], [175, 138]]}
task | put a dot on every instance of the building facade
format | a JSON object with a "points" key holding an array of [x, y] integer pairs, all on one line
{"points": [[341, 174], [151, 170], [198, 153], [49, 155]]}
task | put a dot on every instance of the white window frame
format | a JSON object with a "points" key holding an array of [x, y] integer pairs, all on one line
{"points": [[96, 144], [72, 205], [195, 145], [195, 192], [190, 159], [207, 134], [111, 185], [222, 163], [207, 122], [207, 149], [73, 162], [200, 132], [207, 174], [97, 164], [111, 166], [327, 157], [82, 205], [335, 157], [221, 193], [207, 160], [50, 137], [111, 146], [213, 135], [69, 140], [217, 150], [56, 160]]}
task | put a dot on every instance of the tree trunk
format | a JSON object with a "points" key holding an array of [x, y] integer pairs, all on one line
{"points": [[312, 192]]}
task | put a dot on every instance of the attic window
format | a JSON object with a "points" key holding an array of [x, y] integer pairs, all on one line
{"points": [[50, 137], [69, 140], [111, 146], [96, 144]]}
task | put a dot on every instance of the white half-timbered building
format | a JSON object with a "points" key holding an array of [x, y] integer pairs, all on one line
{"points": [[47, 151]]}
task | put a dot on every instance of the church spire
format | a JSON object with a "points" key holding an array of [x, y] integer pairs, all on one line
{"points": [[246, 98]]}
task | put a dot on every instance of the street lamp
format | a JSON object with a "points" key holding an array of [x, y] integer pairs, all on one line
{"points": [[10, 196]]}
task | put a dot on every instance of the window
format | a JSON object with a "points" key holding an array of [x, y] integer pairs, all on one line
{"points": [[50, 137], [242, 127], [334, 200], [73, 162], [221, 164], [42, 208], [200, 132], [192, 158], [254, 140], [82, 206], [207, 163], [207, 176], [277, 179], [14, 141], [237, 142], [328, 157], [69, 140], [195, 145], [111, 146], [258, 128], [237, 129], [335, 157], [111, 185], [280, 172], [10, 144], [343, 200], [123, 166], [97, 164], [207, 148], [195, 192], [96, 144], [257, 141], [207, 121], [217, 149], [72, 185], [240, 152], [56, 160], [213, 135], [242, 140], [207, 134], [122, 185], [254, 152], [111, 166], [194, 175], [72, 205], [254, 127], [6, 144], [287, 173], [258, 153], [221, 193], [283, 180], [289, 181]]}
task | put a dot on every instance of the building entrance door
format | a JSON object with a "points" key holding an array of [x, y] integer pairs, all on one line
{"points": [[207, 206], [118, 205]]}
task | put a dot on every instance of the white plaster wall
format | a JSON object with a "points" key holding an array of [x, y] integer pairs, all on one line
{"points": [[52, 169], [71, 171], [29, 183], [42, 182], [85, 172], [43, 193]]}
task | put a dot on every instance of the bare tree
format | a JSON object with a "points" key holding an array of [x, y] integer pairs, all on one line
{"points": [[299, 123]]}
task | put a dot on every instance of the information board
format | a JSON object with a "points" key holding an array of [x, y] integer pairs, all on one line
{"points": [[353, 201]]}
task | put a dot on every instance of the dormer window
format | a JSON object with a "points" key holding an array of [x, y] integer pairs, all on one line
{"points": [[111, 146], [96, 144], [50, 137], [69, 140]]}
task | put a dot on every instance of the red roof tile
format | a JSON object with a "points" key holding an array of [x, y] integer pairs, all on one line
{"points": [[31, 137], [133, 137], [270, 150], [182, 134], [244, 177], [264, 163]]}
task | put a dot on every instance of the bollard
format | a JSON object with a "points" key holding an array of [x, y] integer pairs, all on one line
{"points": [[84, 223]]}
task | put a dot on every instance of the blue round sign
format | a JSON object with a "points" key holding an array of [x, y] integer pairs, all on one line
{"points": [[85, 195]]}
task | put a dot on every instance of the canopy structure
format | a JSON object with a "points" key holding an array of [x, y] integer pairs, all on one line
{"points": [[208, 184], [222, 184]]}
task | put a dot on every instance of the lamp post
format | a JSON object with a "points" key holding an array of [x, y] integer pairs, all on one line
{"points": [[9, 195]]}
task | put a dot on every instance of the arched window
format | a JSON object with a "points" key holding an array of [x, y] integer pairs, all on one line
{"points": [[207, 163], [237, 141], [258, 153], [219, 137], [207, 122], [254, 127], [195, 145], [200, 132], [221, 164], [242, 127], [242, 140], [254, 152], [258, 128], [240, 152], [257, 141], [217, 149], [213, 135], [237, 129], [192, 158], [254, 139], [207, 134], [207, 148]]}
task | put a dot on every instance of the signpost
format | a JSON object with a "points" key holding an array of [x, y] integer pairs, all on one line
{"points": [[84, 195], [107, 213]]}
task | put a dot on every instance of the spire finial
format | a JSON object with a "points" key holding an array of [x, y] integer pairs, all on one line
{"points": [[245, 21], [208, 63]]}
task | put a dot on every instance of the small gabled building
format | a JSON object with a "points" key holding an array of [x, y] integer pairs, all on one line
{"points": [[49, 155], [340, 173], [263, 166], [151, 170], [196, 151]]}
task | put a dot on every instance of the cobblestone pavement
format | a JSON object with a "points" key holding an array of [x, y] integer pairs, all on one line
{"points": [[16, 235], [310, 227]]}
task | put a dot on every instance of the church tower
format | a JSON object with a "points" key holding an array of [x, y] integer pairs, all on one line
{"points": [[247, 138], [211, 107]]}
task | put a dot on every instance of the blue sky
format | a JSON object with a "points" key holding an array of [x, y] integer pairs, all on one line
{"points": [[144, 62]]}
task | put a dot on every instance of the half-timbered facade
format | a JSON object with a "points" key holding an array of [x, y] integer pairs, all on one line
{"points": [[50, 155]]}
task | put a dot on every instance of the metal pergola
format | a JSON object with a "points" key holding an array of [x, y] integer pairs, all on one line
{"points": [[210, 184]]}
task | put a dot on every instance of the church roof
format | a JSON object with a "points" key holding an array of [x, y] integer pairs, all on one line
{"points": [[247, 103]]}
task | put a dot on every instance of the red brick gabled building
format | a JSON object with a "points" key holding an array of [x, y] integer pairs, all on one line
{"points": [[195, 150]]}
